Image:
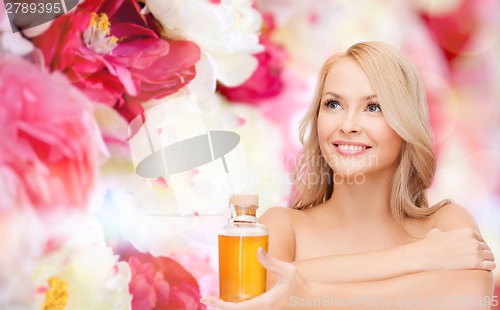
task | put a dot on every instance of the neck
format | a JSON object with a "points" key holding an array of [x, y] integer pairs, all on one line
{"points": [[365, 197]]}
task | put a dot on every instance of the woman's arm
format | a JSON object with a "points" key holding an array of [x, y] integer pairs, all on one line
{"points": [[458, 249], [278, 221], [421, 291], [464, 289], [467, 289], [444, 289]]}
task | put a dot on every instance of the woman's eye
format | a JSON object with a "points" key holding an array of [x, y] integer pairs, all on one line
{"points": [[373, 107], [333, 104]]}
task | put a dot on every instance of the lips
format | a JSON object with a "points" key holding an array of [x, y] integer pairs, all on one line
{"points": [[350, 148]]}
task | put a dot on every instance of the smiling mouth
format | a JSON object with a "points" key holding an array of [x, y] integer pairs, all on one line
{"points": [[350, 148]]}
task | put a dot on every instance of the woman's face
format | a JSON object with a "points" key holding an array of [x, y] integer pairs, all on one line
{"points": [[354, 136]]}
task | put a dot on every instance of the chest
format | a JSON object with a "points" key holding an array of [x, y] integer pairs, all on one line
{"points": [[314, 239]]}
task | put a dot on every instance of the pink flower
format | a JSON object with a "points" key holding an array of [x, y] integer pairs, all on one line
{"points": [[266, 80], [469, 27], [160, 283], [199, 266], [115, 55], [48, 148]]}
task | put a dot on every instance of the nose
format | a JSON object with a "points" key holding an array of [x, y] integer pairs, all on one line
{"points": [[350, 123]]}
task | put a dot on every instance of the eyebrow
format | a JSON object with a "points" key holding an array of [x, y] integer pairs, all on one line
{"points": [[342, 98]]}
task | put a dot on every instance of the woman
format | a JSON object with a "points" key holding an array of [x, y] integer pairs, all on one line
{"points": [[360, 227]]}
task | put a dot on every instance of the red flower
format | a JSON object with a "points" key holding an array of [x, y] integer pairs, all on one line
{"points": [[48, 149], [160, 283], [266, 81], [115, 55]]}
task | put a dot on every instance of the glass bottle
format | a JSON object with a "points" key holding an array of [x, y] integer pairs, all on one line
{"points": [[241, 276]]}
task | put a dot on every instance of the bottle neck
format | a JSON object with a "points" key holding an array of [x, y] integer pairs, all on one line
{"points": [[243, 213], [244, 219]]}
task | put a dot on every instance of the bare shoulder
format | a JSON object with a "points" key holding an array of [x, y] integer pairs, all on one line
{"points": [[276, 213], [280, 223], [454, 216]]}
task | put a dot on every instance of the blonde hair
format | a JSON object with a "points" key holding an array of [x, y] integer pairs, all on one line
{"points": [[399, 88]]}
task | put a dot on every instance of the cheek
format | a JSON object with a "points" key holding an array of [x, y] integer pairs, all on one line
{"points": [[393, 142], [321, 128], [326, 126]]}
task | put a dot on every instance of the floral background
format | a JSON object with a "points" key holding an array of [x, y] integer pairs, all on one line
{"points": [[80, 229]]}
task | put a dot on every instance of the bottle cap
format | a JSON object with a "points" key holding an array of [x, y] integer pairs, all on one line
{"points": [[244, 207], [244, 200]]}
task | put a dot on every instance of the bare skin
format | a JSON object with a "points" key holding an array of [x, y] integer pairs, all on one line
{"points": [[351, 244], [446, 272], [321, 251]]}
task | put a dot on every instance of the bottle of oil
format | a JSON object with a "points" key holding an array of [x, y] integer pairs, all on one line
{"points": [[241, 276]]}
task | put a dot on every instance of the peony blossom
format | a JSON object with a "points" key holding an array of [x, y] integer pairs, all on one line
{"points": [[84, 274], [48, 160], [50, 142], [202, 267], [266, 80], [226, 31], [160, 283], [116, 56]]}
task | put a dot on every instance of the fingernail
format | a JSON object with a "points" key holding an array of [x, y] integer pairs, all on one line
{"points": [[206, 301], [262, 251]]}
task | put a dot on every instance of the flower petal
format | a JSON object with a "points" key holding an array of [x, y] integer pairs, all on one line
{"points": [[235, 69], [140, 53]]}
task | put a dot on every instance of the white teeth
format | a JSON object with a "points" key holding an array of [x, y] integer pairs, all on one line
{"points": [[351, 148]]}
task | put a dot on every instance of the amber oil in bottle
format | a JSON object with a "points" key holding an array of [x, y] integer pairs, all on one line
{"points": [[241, 276]]}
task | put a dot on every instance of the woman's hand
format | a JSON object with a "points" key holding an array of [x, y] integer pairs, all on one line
{"points": [[455, 249], [291, 285]]}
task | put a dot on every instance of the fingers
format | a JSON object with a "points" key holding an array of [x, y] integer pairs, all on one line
{"points": [[478, 236], [212, 302], [484, 246], [217, 303], [262, 302], [281, 268], [487, 255], [488, 259], [487, 265]]}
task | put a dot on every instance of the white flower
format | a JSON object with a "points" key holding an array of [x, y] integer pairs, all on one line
{"points": [[23, 239], [227, 33], [26, 237], [84, 274]]}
